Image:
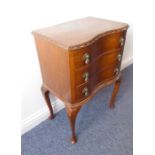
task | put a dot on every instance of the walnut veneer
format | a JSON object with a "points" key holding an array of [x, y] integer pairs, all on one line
{"points": [[77, 59]]}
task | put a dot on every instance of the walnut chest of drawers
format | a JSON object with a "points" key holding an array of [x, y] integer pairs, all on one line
{"points": [[77, 59]]}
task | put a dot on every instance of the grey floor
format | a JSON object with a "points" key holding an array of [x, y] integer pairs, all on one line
{"points": [[100, 131]]}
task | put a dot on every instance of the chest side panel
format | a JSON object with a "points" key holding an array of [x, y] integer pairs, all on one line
{"points": [[54, 67]]}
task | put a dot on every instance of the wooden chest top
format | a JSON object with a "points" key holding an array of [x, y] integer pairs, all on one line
{"points": [[79, 33]]}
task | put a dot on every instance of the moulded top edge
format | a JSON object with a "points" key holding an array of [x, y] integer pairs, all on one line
{"points": [[80, 33]]}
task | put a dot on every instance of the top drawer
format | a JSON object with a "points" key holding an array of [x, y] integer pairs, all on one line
{"points": [[84, 56]]}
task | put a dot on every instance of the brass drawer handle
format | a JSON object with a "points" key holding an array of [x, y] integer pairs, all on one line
{"points": [[86, 58], [85, 91], [122, 41], [86, 76], [116, 71], [119, 57]]}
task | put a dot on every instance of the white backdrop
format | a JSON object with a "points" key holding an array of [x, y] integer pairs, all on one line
{"points": [[39, 14]]}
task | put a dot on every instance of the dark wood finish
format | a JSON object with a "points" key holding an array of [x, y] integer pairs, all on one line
{"points": [[45, 93], [79, 58]]}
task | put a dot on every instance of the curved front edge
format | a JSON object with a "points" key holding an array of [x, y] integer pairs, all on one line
{"points": [[96, 65], [92, 94]]}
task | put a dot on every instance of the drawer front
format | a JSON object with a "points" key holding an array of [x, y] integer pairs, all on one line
{"points": [[112, 41], [108, 73], [83, 91], [95, 64], [82, 75], [85, 56]]}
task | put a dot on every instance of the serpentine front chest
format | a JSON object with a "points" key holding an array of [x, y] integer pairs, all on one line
{"points": [[77, 59]]}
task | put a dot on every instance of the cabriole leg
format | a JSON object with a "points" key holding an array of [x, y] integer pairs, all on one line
{"points": [[72, 114], [45, 93], [114, 93]]}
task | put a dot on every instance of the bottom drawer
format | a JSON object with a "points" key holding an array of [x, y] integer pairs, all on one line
{"points": [[83, 91]]}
